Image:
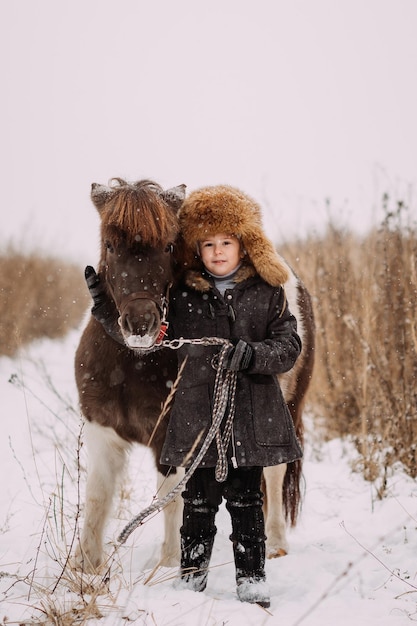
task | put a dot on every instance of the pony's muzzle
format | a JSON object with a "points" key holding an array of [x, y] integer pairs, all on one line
{"points": [[140, 322]]}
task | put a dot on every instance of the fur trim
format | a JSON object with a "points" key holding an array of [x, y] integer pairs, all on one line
{"points": [[199, 282], [223, 209]]}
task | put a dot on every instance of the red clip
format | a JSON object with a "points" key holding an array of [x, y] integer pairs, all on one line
{"points": [[162, 332]]}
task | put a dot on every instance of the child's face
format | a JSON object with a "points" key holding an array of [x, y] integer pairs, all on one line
{"points": [[221, 254]]}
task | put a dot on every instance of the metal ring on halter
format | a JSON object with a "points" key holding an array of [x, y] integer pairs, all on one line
{"points": [[174, 344]]}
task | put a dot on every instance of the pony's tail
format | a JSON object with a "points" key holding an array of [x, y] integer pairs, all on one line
{"points": [[291, 488], [291, 491]]}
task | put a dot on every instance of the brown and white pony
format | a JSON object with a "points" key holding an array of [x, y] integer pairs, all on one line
{"points": [[122, 387]]}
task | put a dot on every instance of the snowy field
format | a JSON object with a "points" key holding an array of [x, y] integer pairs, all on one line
{"points": [[353, 558]]}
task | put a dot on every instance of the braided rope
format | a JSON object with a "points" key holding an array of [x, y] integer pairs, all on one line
{"points": [[224, 392], [224, 395]]}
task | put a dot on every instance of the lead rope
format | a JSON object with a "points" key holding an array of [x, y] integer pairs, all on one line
{"points": [[224, 395]]}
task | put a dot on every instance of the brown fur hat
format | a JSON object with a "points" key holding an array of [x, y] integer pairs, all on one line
{"points": [[223, 209]]}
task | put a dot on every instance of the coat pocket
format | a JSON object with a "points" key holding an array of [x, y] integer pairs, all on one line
{"points": [[272, 420]]}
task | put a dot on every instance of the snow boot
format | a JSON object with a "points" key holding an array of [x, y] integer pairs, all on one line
{"points": [[254, 591], [250, 572], [201, 503], [195, 560], [244, 504]]}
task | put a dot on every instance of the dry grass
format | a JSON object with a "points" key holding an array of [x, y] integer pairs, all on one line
{"points": [[365, 300], [40, 297], [47, 587]]}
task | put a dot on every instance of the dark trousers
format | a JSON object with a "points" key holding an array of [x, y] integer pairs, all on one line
{"points": [[202, 497]]}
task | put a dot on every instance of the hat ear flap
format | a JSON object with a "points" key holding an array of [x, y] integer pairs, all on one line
{"points": [[265, 258]]}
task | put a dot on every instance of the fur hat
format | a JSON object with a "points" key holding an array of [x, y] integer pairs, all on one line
{"points": [[223, 209]]}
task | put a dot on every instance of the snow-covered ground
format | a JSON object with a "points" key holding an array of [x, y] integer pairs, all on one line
{"points": [[353, 558]]}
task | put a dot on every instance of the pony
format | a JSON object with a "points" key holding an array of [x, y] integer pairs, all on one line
{"points": [[123, 387]]}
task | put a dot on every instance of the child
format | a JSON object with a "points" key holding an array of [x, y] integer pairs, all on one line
{"points": [[231, 288]]}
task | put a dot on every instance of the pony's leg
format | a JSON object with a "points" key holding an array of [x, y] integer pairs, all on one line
{"points": [[106, 460], [275, 525], [170, 552]]}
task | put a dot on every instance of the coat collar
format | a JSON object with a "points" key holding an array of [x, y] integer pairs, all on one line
{"points": [[201, 281]]}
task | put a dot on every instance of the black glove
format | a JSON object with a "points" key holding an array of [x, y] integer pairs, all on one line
{"points": [[104, 308], [238, 356], [94, 286]]}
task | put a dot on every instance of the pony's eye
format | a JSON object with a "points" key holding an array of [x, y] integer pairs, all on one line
{"points": [[108, 246], [170, 248]]}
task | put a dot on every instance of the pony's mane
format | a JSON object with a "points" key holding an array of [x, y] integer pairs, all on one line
{"points": [[140, 213]]}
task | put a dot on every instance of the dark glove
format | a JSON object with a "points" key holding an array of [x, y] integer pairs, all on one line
{"points": [[94, 286], [104, 308], [239, 356]]}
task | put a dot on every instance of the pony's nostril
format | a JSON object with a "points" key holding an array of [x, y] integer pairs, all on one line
{"points": [[127, 323], [133, 325]]}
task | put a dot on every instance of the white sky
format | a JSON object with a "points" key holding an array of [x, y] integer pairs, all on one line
{"points": [[294, 101]]}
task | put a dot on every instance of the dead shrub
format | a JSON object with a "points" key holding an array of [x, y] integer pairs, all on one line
{"points": [[365, 300], [41, 296]]}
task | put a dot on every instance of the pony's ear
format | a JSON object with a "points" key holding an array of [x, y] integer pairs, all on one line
{"points": [[99, 195], [174, 196]]}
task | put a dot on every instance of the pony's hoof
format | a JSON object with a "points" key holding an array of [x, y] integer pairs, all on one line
{"points": [[81, 562], [275, 553]]}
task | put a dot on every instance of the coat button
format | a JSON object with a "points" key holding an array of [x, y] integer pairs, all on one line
{"points": [[238, 443]]}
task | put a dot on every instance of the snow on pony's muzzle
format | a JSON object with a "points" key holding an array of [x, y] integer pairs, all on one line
{"points": [[138, 341], [147, 341]]}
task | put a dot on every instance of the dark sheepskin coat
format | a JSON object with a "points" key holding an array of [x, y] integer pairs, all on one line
{"points": [[257, 312]]}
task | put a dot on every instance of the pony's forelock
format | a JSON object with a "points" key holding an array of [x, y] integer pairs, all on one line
{"points": [[138, 210]]}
